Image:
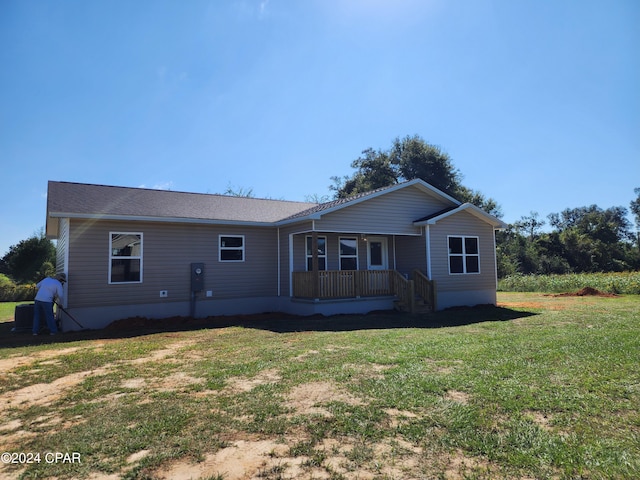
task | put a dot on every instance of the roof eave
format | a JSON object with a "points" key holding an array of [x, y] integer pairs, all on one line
{"points": [[472, 209], [136, 218]]}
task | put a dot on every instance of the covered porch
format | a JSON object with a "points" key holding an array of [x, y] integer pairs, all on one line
{"points": [[329, 266], [410, 294]]}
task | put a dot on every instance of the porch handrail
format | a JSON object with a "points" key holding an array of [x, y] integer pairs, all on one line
{"points": [[425, 288], [404, 290]]}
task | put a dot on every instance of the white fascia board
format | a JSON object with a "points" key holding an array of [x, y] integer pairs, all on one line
{"points": [[416, 181], [472, 209], [129, 218]]}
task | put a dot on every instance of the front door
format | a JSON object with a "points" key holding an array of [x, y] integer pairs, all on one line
{"points": [[377, 253]]}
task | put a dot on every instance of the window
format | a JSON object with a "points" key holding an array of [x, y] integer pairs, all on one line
{"points": [[231, 248], [348, 253], [464, 255], [322, 253], [125, 257]]}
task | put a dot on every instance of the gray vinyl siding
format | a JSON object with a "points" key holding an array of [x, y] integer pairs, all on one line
{"points": [[62, 245], [463, 224], [168, 251], [411, 252], [391, 213]]}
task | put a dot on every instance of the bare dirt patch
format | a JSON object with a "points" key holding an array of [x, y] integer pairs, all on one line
{"points": [[308, 398], [541, 419], [242, 384], [586, 292], [11, 363], [457, 396], [242, 460]]}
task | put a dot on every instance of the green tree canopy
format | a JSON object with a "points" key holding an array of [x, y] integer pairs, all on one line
{"points": [[408, 158], [31, 259], [635, 207]]}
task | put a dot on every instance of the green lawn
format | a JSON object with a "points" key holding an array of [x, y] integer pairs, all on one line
{"points": [[539, 387], [7, 310]]}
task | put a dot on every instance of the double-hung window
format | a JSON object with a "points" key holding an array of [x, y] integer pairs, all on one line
{"points": [[348, 253], [464, 255], [231, 248], [322, 253], [125, 257]]}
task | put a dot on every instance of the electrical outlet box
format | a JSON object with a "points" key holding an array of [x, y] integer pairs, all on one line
{"points": [[164, 293], [197, 277]]}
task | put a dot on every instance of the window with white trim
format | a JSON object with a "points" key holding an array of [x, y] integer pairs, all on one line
{"points": [[231, 248], [322, 253], [348, 253], [125, 257], [464, 255]]}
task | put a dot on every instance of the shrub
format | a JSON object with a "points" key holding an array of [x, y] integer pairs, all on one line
{"points": [[10, 292], [615, 282]]}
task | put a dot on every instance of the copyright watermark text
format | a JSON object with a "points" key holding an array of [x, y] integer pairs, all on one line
{"points": [[22, 458]]}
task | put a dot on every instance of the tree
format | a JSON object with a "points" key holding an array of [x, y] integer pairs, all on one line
{"points": [[635, 209], [408, 158], [31, 259], [375, 170], [417, 159], [531, 224], [239, 191]]}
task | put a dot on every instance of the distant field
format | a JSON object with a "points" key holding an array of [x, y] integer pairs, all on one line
{"points": [[539, 387], [625, 282]]}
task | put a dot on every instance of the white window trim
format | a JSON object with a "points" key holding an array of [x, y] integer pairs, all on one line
{"points": [[341, 256], [464, 255], [132, 257], [221, 248], [307, 256]]}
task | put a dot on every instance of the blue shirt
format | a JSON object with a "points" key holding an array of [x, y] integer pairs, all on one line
{"points": [[48, 289]]}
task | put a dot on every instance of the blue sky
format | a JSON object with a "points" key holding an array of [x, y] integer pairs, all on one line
{"points": [[536, 101]]}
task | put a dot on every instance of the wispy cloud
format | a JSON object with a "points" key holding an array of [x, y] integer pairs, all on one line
{"points": [[263, 7], [159, 186], [251, 8]]}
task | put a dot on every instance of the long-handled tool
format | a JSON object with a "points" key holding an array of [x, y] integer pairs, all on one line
{"points": [[71, 316]]}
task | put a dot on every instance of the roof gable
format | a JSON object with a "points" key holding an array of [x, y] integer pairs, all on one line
{"points": [[465, 207], [317, 211]]}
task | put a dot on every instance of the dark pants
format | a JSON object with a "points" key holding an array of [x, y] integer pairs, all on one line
{"points": [[45, 308]]}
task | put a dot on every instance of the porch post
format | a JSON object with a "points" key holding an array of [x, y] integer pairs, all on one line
{"points": [[314, 264]]}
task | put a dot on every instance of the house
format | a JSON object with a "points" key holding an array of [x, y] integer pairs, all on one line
{"points": [[155, 253]]}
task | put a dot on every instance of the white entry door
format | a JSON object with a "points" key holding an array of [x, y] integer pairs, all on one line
{"points": [[377, 253]]}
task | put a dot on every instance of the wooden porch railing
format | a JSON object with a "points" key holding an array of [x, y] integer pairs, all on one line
{"points": [[425, 288], [342, 283], [334, 284]]}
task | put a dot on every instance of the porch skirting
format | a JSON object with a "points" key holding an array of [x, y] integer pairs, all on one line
{"points": [[299, 306]]}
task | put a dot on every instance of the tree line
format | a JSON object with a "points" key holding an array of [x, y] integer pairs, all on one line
{"points": [[582, 239]]}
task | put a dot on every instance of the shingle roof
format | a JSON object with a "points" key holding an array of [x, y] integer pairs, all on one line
{"points": [[87, 200], [81, 200]]}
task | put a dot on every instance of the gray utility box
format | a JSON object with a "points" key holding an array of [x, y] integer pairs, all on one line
{"points": [[197, 277]]}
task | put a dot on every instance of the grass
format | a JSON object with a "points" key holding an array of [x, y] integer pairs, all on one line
{"points": [[539, 387], [7, 310], [613, 282]]}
